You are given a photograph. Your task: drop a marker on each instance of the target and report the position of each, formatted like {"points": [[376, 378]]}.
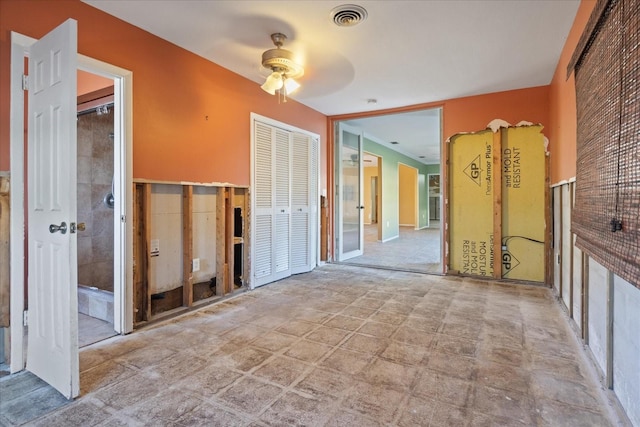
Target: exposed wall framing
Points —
{"points": [[207, 218], [498, 204]]}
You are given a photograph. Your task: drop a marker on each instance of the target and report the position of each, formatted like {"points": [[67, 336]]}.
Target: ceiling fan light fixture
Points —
{"points": [[283, 66], [290, 85], [273, 83]]}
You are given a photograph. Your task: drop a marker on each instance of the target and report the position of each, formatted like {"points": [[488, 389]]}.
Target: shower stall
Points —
{"points": [[95, 210]]}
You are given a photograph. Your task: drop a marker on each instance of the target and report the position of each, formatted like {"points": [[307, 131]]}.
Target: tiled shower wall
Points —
{"points": [[95, 174]]}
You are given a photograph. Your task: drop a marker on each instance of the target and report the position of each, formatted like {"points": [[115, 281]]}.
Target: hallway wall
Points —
{"points": [[390, 185]]}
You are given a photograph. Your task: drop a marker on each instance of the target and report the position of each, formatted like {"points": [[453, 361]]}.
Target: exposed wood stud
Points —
{"points": [[498, 137], [187, 245], [246, 265], [220, 241], [228, 239], [146, 210], [548, 221]]}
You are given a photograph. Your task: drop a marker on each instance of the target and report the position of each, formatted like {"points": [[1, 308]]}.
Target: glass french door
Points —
{"points": [[350, 229]]}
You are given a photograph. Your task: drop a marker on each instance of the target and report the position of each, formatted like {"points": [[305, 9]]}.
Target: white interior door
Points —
{"points": [[349, 198], [53, 301], [282, 213]]}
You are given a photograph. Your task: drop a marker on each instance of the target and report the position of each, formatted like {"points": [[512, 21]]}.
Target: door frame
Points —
{"points": [[123, 231], [338, 240], [253, 118]]}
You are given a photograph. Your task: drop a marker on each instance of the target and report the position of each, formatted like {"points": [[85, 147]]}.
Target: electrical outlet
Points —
{"points": [[196, 264]]}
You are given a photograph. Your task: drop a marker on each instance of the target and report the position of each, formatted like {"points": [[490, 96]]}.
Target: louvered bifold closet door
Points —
{"points": [[300, 196], [282, 191], [263, 205]]}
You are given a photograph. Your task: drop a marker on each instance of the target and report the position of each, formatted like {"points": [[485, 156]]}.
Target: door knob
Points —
{"points": [[80, 227], [62, 228]]}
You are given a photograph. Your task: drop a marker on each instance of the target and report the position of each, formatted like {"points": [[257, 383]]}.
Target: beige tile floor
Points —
{"points": [[348, 346], [423, 246]]}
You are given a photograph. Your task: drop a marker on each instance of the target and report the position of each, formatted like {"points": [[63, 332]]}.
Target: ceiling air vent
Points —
{"points": [[348, 15]]}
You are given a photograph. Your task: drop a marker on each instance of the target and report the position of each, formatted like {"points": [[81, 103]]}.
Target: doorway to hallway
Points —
{"points": [[400, 191]]}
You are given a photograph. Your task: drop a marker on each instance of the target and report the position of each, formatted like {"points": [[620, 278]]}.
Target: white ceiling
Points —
{"points": [[404, 53]]}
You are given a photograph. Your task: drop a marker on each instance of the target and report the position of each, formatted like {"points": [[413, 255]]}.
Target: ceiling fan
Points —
{"points": [[284, 69]]}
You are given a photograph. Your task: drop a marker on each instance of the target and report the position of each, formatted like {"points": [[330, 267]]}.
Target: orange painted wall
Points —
{"points": [[88, 82], [474, 113], [174, 91], [562, 130]]}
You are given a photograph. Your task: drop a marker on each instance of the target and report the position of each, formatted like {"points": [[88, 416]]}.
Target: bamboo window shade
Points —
{"points": [[606, 215]]}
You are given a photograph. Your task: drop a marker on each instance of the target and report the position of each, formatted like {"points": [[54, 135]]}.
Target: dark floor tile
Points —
{"points": [[281, 370], [502, 376], [308, 351], [406, 354], [174, 405], [248, 358], [447, 415], [455, 345], [349, 362], [103, 375], [382, 372], [386, 317], [418, 412], [365, 344], [407, 335], [368, 303], [325, 335], [345, 418], [378, 402], [211, 380], [325, 382], [293, 409], [503, 355], [423, 324], [469, 330], [396, 307], [82, 413], [32, 405], [359, 312], [206, 414], [377, 329], [458, 366], [297, 327], [251, 395], [274, 341], [129, 392], [508, 404], [344, 322], [443, 388]]}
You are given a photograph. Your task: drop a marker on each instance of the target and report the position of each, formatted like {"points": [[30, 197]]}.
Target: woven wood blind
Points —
{"points": [[608, 160]]}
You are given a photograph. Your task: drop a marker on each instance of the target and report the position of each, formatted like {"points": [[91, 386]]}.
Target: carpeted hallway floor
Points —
{"points": [[345, 346]]}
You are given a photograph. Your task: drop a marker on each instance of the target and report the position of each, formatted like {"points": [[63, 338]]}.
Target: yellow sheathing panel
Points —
{"points": [[471, 203], [523, 192]]}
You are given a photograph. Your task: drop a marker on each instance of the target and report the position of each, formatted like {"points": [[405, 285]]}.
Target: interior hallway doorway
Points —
{"points": [[400, 194]]}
